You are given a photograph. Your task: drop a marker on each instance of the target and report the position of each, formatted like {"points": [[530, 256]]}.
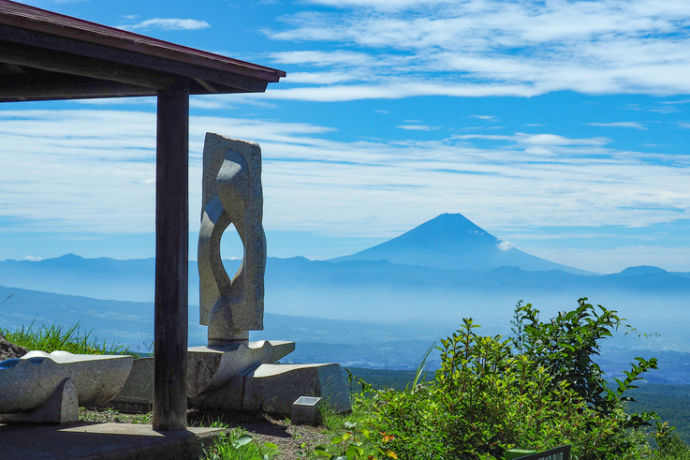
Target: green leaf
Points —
{"points": [[242, 441], [320, 451]]}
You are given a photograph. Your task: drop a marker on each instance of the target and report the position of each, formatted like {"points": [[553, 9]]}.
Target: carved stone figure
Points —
{"points": [[232, 373], [231, 194], [42, 387]]}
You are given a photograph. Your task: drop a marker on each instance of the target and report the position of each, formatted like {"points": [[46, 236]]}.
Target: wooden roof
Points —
{"points": [[45, 55]]}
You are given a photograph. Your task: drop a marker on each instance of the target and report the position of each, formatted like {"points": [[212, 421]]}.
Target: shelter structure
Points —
{"points": [[49, 56]]}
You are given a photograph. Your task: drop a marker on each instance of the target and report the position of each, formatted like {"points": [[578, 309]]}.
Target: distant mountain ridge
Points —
{"points": [[451, 241], [471, 262]]}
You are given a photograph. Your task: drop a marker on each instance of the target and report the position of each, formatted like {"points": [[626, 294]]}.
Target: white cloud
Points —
{"points": [[620, 124], [168, 24], [417, 127], [504, 246], [380, 4], [323, 78], [683, 101], [393, 90], [94, 171], [321, 58], [485, 47]]}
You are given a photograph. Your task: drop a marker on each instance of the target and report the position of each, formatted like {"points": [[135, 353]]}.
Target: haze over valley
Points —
{"points": [[380, 307]]}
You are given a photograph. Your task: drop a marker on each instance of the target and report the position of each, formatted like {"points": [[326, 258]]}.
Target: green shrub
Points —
{"points": [[538, 389]]}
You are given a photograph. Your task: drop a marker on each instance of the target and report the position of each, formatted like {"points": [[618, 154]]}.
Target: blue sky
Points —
{"points": [[558, 126]]}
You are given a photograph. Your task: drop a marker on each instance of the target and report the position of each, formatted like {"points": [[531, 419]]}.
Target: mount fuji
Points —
{"points": [[451, 241]]}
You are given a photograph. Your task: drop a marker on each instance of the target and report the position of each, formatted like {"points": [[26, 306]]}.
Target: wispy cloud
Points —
{"points": [[168, 24], [682, 101], [385, 5], [620, 124], [93, 170], [417, 127], [485, 47]]}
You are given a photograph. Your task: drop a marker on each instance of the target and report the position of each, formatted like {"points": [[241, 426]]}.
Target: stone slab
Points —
{"points": [[102, 441], [273, 388], [138, 389]]}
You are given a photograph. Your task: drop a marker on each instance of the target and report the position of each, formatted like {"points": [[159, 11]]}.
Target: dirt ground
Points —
{"points": [[293, 441], [290, 439], [9, 350]]}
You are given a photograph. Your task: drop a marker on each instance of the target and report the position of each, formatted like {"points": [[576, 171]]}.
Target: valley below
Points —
{"points": [[382, 308]]}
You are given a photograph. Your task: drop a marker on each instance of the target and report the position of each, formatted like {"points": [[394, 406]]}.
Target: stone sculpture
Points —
{"points": [[232, 373], [42, 387], [231, 194]]}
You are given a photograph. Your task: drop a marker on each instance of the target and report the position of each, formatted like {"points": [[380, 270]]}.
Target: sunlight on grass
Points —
{"points": [[236, 444], [53, 337]]}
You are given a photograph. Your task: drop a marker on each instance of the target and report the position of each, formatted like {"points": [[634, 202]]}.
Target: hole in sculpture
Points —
{"points": [[231, 250]]}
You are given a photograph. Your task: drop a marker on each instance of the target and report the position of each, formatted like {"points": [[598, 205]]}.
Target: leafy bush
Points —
{"points": [[539, 389]]}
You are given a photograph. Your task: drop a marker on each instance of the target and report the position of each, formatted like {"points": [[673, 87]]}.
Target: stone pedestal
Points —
{"points": [[243, 376], [273, 388], [211, 368]]}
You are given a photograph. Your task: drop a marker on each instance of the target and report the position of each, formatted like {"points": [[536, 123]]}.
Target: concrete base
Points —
{"points": [[273, 388], [103, 441]]}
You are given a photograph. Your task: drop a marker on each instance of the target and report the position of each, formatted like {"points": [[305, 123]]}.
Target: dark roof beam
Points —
{"points": [[204, 84], [42, 87], [11, 68], [240, 81], [37, 58]]}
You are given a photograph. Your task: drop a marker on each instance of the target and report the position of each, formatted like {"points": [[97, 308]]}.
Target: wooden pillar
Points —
{"points": [[172, 228]]}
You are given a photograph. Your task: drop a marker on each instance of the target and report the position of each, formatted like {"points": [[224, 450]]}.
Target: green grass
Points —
{"points": [[112, 415], [49, 338], [236, 444]]}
